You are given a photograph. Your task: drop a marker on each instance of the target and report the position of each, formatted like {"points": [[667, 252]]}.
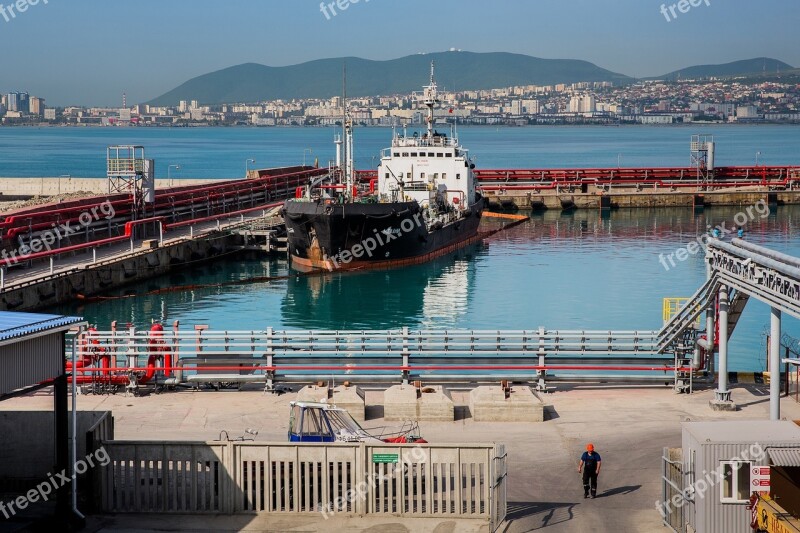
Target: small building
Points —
{"points": [[709, 481], [32, 349]]}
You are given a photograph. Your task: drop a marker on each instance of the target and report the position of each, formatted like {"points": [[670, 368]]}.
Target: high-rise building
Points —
{"points": [[195, 104], [530, 107], [36, 106], [12, 101], [24, 103], [183, 107], [582, 104], [50, 114]]}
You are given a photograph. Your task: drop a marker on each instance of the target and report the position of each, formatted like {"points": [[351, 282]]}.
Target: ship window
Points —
{"points": [[413, 154], [397, 154], [439, 155], [387, 176], [448, 154], [444, 177], [458, 176], [405, 154], [431, 154], [436, 176], [422, 176], [313, 425]]}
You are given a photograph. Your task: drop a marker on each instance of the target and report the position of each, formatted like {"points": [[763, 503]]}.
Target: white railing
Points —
{"points": [[399, 356]]}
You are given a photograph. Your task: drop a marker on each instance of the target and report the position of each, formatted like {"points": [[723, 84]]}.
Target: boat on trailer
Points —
{"points": [[323, 422]]}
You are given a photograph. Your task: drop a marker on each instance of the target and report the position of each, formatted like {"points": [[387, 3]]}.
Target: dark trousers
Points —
{"points": [[589, 482]]}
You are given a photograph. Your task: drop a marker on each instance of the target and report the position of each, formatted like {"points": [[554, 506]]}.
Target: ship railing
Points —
{"points": [[424, 142]]}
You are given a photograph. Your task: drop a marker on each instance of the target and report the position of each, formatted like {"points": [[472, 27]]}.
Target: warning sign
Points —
{"points": [[759, 478]]}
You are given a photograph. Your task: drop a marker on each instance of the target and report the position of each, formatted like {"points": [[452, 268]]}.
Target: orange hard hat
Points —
{"points": [[590, 447]]}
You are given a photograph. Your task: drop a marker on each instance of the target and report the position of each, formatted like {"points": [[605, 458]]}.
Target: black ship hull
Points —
{"points": [[362, 235]]}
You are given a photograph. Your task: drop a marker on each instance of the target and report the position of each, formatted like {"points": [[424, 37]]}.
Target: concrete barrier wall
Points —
{"points": [[11, 188]]}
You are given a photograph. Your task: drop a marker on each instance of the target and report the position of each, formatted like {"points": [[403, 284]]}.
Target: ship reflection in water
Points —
{"points": [[436, 294]]}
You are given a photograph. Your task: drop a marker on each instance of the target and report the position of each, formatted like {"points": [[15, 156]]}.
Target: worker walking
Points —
{"points": [[590, 465]]}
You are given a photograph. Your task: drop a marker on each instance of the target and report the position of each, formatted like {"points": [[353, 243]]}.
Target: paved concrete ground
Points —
{"points": [[629, 427]]}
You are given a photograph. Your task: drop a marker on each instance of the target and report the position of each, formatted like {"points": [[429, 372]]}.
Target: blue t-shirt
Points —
{"points": [[590, 461]]}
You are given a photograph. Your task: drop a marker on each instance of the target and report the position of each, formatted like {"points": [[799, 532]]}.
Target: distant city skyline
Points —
{"points": [[88, 52]]}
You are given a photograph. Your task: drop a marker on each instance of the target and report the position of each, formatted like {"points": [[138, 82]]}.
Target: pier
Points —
{"points": [[58, 252], [82, 247]]}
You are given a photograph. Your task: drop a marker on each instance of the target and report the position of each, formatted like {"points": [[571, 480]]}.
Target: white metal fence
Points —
{"points": [[464, 481], [672, 485]]}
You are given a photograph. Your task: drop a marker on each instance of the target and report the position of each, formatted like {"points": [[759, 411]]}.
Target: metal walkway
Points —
{"points": [[737, 272]]}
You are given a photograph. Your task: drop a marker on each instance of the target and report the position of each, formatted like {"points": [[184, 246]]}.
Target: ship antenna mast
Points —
{"points": [[348, 139], [431, 98]]}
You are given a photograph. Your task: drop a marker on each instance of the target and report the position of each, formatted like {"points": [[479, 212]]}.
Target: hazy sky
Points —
{"points": [[90, 51]]}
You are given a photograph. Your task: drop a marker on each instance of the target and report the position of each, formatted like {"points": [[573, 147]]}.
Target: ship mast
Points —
{"points": [[348, 142], [431, 99]]}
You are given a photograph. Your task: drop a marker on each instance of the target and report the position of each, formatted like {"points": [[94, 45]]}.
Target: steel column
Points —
{"points": [[722, 393], [775, 366]]}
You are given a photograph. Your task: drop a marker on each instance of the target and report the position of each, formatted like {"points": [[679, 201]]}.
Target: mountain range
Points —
{"points": [[455, 71], [760, 65]]}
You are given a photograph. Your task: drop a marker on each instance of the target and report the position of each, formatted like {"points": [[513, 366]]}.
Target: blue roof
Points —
{"points": [[17, 325]]}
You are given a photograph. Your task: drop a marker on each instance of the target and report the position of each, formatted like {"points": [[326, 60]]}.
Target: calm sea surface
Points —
{"points": [[222, 152], [561, 271]]}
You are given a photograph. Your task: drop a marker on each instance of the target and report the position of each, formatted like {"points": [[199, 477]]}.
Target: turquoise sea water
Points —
{"points": [[222, 152], [561, 271]]}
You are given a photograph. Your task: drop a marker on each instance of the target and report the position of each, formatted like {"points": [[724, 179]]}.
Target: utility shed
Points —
{"points": [[718, 461], [32, 349]]}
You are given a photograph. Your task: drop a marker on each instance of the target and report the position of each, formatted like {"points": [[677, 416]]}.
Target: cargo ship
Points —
{"points": [[423, 204]]}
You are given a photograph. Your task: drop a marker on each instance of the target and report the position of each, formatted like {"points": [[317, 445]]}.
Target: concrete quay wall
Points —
{"points": [[113, 273], [634, 199]]}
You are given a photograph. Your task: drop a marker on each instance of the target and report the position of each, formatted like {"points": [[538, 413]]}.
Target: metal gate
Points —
{"points": [[423, 480], [499, 488], [673, 516]]}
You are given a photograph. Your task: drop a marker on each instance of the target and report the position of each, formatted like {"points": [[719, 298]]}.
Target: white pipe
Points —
{"points": [[75, 427], [722, 392], [696, 360], [775, 366]]}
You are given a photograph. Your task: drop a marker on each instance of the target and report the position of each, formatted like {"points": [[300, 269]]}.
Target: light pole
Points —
{"points": [[247, 167], [169, 175], [619, 160], [310, 151], [758, 155]]}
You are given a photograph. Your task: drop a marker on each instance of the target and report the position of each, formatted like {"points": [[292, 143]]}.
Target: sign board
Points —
{"points": [[759, 478], [385, 458]]}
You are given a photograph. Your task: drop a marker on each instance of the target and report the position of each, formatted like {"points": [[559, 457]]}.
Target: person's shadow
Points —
{"points": [[619, 490]]}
